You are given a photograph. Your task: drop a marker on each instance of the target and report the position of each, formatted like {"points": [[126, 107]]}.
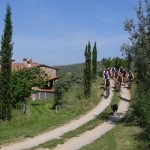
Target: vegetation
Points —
{"points": [[63, 85], [94, 62], [139, 50], [76, 69], [127, 135], [87, 74], [22, 82], [116, 62], [87, 126], [95, 122], [40, 117], [5, 73], [121, 137]]}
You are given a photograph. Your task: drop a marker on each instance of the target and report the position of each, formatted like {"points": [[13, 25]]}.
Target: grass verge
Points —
{"points": [[41, 118], [87, 126], [120, 138], [125, 136]]}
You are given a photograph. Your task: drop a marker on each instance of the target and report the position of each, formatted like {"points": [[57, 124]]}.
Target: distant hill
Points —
{"points": [[75, 68]]}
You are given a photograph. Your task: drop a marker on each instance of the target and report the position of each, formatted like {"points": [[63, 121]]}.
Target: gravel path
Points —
{"points": [[56, 133], [88, 137]]}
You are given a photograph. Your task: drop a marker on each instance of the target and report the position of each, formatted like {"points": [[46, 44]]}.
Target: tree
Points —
{"points": [[139, 50], [64, 84], [94, 62], [87, 71], [5, 73], [89, 74], [118, 62], [22, 82], [107, 62]]}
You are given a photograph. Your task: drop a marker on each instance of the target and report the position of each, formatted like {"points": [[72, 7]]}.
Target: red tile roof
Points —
{"points": [[17, 66]]}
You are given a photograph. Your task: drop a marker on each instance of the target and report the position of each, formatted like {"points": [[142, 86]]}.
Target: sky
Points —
{"points": [[55, 32]]}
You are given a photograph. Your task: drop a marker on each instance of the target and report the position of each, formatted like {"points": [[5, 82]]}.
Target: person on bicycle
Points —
{"points": [[105, 75], [107, 84], [113, 72], [116, 74], [109, 72], [124, 76], [119, 81], [121, 70], [130, 76]]}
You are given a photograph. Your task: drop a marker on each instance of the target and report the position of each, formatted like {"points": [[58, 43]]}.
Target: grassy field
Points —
{"points": [[87, 126], [120, 138], [41, 118], [125, 136]]}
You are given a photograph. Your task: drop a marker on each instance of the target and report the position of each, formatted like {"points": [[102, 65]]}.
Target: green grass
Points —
{"points": [[125, 136], [41, 118], [87, 126], [120, 138], [51, 144], [95, 122]]}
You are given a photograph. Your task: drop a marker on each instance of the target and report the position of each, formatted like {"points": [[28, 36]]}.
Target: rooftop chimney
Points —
{"points": [[25, 61], [13, 61], [29, 62]]}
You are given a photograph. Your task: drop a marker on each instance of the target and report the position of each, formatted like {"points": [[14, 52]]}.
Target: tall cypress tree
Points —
{"points": [[5, 73], [94, 62], [89, 73], [85, 73]]}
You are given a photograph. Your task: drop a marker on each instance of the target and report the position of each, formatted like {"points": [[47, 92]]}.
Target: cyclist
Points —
{"points": [[119, 81], [113, 72], [121, 70], [107, 84], [124, 76], [130, 77], [105, 74], [116, 74]]}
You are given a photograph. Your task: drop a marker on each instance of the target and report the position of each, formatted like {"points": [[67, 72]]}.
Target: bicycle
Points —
{"points": [[118, 86], [107, 92]]}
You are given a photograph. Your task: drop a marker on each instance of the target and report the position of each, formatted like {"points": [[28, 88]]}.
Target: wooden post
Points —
{"points": [[25, 106]]}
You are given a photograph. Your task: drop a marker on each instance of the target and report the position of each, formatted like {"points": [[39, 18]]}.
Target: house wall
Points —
{"points": [[49, 71], [42, 95]]}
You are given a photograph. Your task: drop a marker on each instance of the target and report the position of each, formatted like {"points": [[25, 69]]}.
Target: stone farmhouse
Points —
{"points": [[50, 72]]}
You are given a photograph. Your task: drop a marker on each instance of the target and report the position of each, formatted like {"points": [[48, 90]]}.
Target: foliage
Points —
{"points": [[87, 74], [63, 85], [76, 69], [139, 48], [116, 62], [5, 73], [94, 62], [41, 118], [22, 83]]}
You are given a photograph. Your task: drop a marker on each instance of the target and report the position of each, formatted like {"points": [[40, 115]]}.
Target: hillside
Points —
{"points": [[75, 68]]}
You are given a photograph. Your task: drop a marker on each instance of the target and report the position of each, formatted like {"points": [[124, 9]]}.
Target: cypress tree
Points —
{"points": [[85, 73], [5, 73], [89, 73], [94, 62]]}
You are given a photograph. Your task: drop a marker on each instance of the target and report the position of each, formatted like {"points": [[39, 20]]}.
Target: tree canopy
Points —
{"points": [[5, 72]]}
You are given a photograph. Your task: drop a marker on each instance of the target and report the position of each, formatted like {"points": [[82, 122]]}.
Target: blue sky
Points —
{"points": [[55, 32]]}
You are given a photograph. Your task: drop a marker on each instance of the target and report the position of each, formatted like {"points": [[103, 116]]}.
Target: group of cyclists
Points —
{"points": [[120, 76]]}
